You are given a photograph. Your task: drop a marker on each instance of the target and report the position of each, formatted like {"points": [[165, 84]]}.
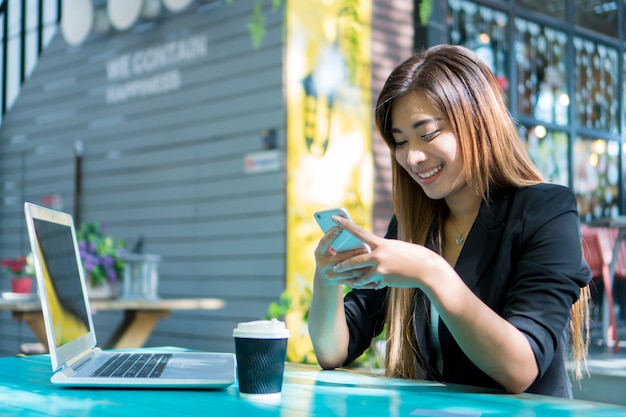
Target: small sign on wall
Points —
{"points": [[53, 201], [262, 161]]}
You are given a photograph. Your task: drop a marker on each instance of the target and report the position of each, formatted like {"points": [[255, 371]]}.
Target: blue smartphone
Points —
{"points": [[345, 241]]}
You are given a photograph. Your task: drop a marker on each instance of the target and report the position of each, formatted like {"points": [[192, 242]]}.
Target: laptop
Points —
{"points": [[76, 360]]}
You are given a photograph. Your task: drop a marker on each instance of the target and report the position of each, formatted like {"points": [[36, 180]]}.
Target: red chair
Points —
{"points": [[608, 236], [596, 258], [619, 283], [620, 266]]}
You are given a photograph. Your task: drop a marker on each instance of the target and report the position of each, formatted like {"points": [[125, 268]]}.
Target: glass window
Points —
{"points": [[552, 8], [540, 58], [548, 150], [596, 176], [15, 17], [14, 61], [597, 15], [32, 18], [596, 100], [483, 30], [13, 71], [50, 16], [1, 62]]}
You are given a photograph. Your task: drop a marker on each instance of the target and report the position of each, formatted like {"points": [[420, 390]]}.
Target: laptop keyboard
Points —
{"points": [[134, 365]]}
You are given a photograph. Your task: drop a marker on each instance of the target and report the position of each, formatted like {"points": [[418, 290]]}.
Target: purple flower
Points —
{"points": [[100, 254], [88, 264], [107, 261], [111, 275]]}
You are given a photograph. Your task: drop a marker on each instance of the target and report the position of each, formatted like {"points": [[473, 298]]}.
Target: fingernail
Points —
{"points": [[337, 231], [335, 218]]}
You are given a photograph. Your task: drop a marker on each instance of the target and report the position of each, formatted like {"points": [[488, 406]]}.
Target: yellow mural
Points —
{"points": [[329, 124]]}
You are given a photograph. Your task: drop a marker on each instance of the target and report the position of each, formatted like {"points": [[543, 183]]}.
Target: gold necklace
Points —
{"points": [[459, 237]]}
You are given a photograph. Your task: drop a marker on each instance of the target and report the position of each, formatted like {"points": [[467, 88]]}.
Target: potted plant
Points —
{"points": [[21, 281], [101, 256]]}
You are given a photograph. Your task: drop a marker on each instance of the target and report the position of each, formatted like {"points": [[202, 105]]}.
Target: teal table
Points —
{"points": [[25, 391]]}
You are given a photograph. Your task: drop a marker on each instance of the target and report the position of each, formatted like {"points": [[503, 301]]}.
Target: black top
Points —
{"points": [[523, 257]]}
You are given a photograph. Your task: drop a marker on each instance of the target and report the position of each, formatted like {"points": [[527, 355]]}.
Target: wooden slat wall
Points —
{"points": [[170, 168]]}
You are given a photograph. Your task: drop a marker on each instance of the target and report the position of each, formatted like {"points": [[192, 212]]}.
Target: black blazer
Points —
{"points": [[523, 257]]}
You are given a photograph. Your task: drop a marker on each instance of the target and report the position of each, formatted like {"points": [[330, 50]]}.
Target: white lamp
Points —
{"points": [[124, 13], [77, 21], [176, 5]]}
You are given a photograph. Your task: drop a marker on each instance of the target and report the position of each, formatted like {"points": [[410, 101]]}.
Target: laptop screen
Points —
{"points": [[62, 279]]}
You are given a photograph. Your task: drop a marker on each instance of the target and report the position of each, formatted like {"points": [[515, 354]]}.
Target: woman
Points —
{"points": [[481, 269]]}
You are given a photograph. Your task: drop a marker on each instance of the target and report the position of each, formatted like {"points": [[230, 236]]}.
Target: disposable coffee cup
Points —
{"points": [[261, 349]]}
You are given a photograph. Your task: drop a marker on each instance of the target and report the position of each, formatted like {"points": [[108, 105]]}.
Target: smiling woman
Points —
{"points": [[417, 123], [481, 270]]}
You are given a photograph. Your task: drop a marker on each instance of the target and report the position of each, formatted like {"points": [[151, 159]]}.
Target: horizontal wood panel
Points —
{"points": [[168, 167]]}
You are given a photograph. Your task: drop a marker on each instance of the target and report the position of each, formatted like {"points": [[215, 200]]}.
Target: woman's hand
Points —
{"points": [[326, 258], [391, 263]]}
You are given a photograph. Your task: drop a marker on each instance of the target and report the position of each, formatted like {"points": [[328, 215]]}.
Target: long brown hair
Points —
{"points": [[461, 86]]}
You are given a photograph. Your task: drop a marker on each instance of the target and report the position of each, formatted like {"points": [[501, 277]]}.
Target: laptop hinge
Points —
{"points": [[79, 360]]}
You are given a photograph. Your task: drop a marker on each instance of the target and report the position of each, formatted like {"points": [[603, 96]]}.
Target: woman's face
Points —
{"points": [[427, 148]]}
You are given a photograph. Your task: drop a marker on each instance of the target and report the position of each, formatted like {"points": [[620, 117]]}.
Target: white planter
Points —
{"points": [[104, 291]]}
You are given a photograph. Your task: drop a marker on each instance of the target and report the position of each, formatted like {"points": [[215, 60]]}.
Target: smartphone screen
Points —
{"points": [[345, 241]]}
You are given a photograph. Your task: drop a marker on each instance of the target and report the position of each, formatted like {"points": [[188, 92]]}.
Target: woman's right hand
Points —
{"points": [[327, 322], [326, 258]]}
